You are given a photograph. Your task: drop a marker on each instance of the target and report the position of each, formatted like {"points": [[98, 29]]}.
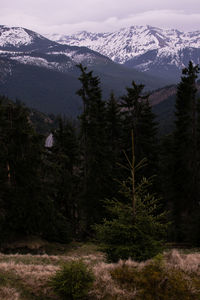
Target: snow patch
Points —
{"points": [[128, 43], [15, 36], [41, 62]]}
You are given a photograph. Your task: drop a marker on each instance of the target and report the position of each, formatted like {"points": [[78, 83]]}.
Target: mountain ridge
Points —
{"points": [[43, 73], [145, 48]]}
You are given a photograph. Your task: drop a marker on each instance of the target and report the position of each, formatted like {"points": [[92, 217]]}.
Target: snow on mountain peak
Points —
{"points": [[134, 41], [14, 36], [145, 48], [24, 46]]}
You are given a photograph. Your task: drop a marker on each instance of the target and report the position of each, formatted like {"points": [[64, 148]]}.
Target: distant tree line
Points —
{"points": [[58, 193]]}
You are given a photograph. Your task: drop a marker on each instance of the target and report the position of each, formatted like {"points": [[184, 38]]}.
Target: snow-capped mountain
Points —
{"points": [[43, 73], [14, 37], [145, 48], [22, 39], [28, 47]]}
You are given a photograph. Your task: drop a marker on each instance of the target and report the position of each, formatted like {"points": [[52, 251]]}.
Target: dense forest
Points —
{"points": [[108, 176]]}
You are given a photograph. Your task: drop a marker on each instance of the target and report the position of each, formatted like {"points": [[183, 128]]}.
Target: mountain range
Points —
{"points": [[43, 73], [156, 51]]}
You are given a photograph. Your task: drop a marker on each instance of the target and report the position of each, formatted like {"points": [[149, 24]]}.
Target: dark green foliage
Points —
{"points": [[94, 145], [166, 170], [59, 192], [56, 227], [185, 132], [121, 237], [113, 128], [137, 116], [132, 107], [64, 173], [41, 122], [147, 140], [21, 184], [73, 281], [185, 175], [26, 203]]}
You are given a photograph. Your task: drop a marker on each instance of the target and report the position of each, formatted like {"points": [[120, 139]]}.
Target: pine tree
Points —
{"points": [[147, 140], [136, 227], [114, 141], [137, 116], [4, 167], [113, 125], [64, 171], [23, 149], [93, 145], [27, 207], [185, 168]]}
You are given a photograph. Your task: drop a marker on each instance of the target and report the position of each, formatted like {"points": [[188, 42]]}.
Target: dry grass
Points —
{"points": [[8, 293], [186, 262], [106, 287], [32, 272], [26, 276], [33, 276]]}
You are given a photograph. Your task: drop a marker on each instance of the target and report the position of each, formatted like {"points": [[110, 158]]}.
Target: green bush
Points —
{"points": [[73, 281], [155, 282]]}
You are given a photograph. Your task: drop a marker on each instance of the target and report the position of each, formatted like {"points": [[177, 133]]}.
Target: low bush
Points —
{"points": [[155, 282], [73, 281]]}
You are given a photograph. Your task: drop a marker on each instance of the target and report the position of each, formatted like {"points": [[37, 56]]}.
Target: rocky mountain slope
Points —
{"points": [[149, 49], [28, 47], [43, 73]]}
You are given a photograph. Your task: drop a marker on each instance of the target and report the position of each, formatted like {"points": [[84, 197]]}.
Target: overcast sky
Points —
{"points": [[69, 16]]}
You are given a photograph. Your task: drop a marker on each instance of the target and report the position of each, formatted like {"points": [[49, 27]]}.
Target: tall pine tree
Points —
{"points": [[27, 206], [185, 180], [94, 147], [113, 129], [64, 171], [137, 116]]}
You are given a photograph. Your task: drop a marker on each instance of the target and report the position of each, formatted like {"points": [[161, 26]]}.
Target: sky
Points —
{"points": [[70, 16]]}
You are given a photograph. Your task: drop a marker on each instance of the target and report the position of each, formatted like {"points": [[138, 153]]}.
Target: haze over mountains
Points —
{"points": [[145, 48]]}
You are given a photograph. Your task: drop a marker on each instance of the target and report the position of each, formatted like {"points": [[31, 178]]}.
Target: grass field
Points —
{"points": [[175, 274]]}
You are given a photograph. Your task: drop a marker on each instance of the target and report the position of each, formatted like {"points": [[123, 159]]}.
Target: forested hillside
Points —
{"points": [[111, 151]]}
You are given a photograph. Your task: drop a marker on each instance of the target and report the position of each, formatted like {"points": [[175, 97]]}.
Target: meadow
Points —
{"points": [[175, 274]]}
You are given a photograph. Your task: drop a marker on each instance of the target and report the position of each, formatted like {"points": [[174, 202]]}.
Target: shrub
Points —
{"points": [[155, 282], [73, 281]]}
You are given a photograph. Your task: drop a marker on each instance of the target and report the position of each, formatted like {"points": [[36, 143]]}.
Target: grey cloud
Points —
{"points": [[159, 18], [47, 16]]}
